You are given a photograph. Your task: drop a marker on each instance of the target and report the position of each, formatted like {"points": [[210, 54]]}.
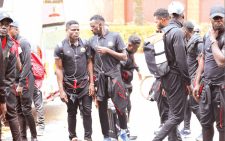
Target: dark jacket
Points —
{"points": [[175, 50], [194, 49], [10, 59], [2, 83], [127, 68], [25, 58], [115, 88]]}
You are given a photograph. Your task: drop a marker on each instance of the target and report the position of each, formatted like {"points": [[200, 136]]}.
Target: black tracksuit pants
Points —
{"points": [[103, 105], [12, 118], [177, 96], [163, 106], [72, 112], [24, 108], [192, 106], [215, 113]]}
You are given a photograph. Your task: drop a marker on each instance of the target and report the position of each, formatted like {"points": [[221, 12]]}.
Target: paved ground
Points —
{"points": [[144, 117]]}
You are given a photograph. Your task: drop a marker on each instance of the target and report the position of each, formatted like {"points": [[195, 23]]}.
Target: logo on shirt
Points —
{"points": [[110, 43], [82, 49], [8, 54]]}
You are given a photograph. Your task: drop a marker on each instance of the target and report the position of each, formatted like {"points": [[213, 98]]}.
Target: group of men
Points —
{"points": [[103, 67], [17, 83], [197, 69]]}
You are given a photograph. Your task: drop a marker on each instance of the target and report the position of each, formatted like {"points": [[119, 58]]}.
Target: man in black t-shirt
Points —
{"points": [[108, 49], [194, 52], [212, 98], [73, 69]]}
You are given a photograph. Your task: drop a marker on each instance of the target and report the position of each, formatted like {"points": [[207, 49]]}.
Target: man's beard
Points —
{"points": [[160, 26], [218, 27], [73, 39]]}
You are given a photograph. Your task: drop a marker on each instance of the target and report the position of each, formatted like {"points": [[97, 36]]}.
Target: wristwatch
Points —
{"points": [[213, 41]]}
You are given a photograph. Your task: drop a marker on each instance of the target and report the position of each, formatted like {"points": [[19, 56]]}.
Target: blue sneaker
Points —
{"points": [[186, 133], [107, 139], [124, 137]]}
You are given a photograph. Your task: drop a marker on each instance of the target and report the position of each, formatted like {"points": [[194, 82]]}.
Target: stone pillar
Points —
{"points": [[193, 11], [119, 15]]}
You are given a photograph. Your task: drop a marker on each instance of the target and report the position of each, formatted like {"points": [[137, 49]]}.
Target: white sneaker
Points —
{"points": [[75, 139], [199, 138], [40, 132]]}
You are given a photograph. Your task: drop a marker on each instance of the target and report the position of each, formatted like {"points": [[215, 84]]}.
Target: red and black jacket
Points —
{"points": [[9, 59], [25, 58]]}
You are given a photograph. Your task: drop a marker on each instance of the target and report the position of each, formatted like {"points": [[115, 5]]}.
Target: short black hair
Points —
{"points": [[162, 13], [69, 23], [134, 39], [97, 18], [189, 26]]}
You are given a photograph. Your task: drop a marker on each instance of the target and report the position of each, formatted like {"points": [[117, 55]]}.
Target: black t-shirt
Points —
{"points": [[192, 57], [211, 70], [110, 40], [74, 59]]}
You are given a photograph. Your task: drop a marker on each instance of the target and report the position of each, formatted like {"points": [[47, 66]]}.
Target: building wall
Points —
{"points": [[82, 10], [205, 6]]}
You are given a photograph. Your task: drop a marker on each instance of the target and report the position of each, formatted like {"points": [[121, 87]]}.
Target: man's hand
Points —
{"points": [[140, 76], [212, 33], [19, 91], [96, 101], [196, 92], [63, 96], [102, 50], [164, 93], [91, 90], [190, 89], [3, 110]]}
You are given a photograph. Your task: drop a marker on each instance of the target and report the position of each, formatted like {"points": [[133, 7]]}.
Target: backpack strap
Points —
{"points": [[84, 41]]}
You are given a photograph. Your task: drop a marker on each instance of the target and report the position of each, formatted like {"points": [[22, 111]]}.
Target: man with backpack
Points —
{"points": [[175, 81], [24, 85], [128, 67], [74, 70], [212, 97], [108, 49], [194, 52], [7, 92]]}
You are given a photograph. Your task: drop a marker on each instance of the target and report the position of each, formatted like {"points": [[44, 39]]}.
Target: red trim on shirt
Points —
{"points": [[133, 59], [3, 43]]}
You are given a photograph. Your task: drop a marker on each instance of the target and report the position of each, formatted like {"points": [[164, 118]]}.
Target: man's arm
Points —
{"points": [[91, 75], [219, 55], [121, 55], [59, 75]]}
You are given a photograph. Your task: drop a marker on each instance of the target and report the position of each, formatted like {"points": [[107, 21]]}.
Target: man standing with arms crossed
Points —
{"points": [[212, 98], [108, 49], [176, 82], [73, 67]]}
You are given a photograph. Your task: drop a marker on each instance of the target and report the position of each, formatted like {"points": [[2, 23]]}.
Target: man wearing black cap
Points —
{"points": [[212, 98], [176, 82], [194, 52], [108, 50], [10, 59], [25, 85]]}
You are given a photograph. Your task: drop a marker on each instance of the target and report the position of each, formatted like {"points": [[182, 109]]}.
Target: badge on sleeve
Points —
{"points": [[110, 43], [82, 49]]}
